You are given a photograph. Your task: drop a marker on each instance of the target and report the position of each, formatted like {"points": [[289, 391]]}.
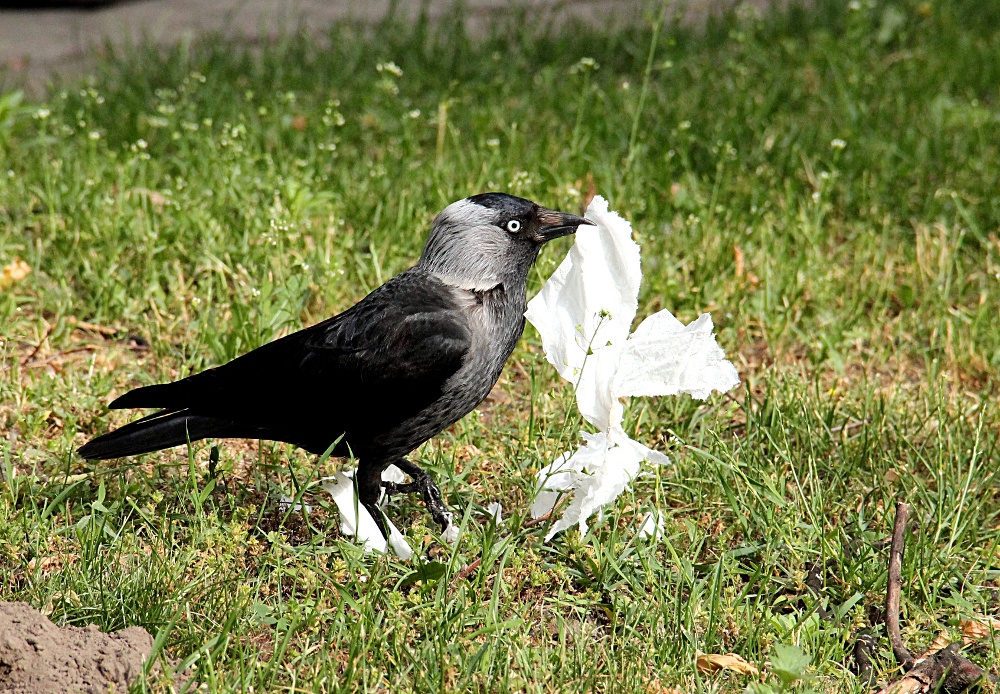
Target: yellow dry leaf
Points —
{"points": [[16, 271], [712, 662], [973, 630], [939, 643]]}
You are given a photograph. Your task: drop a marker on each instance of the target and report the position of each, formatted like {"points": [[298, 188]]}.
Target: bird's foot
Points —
{"points": [[395, 488], [423, 483]]}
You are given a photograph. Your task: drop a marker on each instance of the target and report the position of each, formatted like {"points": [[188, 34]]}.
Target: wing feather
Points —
{"points": [[361, 372]]}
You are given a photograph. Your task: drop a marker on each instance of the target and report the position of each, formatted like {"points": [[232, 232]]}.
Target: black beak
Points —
{"points": [[554, 225]]}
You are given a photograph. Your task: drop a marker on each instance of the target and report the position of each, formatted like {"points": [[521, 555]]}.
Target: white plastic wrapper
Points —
{"points": [[286, 502], [495, 509], [652, 525], [583, 314], [355, 519]]}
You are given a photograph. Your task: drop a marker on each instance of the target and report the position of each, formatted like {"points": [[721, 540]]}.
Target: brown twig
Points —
{"points": [[895, 584], [93, 327], [946, 671], [58, 356], [41, 342], [466, 570], [532, 522]]}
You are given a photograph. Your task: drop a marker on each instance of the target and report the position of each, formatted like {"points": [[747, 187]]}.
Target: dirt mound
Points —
{"points": [[37, 657]]}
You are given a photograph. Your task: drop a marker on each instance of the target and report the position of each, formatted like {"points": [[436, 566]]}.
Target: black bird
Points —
{"points": [[400, 366]]}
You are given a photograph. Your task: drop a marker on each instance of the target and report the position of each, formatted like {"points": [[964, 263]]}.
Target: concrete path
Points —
{"points": [[36, 44]]}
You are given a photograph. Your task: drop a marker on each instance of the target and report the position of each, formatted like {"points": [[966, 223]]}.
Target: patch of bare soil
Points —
{"points": [[37, 657]]}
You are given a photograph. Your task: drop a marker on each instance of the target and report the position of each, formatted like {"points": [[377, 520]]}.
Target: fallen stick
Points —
{"points": [[466, 570], [532, 522], [895, 586], [946, 671], [31, 355]]}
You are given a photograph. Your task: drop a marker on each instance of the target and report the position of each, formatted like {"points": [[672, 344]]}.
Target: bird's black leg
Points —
{"points": [[369, 490], [422, 482]]}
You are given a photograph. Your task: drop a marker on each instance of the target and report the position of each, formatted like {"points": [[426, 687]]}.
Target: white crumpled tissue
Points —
{"points": [[355, 519], [357, 522], [583, 314]]}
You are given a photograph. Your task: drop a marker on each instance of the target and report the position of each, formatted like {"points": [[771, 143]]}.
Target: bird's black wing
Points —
{"points": [[359, 373]]}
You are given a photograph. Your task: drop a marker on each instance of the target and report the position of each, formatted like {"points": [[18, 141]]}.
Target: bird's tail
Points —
{"points": [[164, 429]]}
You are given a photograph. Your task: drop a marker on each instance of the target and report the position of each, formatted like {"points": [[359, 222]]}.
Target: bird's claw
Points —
{"points": [[395, 488], [422, 482]]}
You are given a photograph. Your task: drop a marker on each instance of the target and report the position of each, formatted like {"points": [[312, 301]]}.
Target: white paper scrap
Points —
{"points": [[286, 502], [451, 533], [495, 509], [355, 519], [584, 314], [652, 526]]}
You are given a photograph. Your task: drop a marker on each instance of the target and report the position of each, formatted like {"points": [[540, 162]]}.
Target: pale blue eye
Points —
{"points": [[513, 226]]}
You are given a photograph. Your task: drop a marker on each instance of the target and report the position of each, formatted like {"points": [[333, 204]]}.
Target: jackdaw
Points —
{"points": [[400, 366]]}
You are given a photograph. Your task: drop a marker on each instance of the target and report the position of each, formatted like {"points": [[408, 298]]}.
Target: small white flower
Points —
{"points": [[391, 68], [837, 143], [584, 65], [493, 142], [94, 135], [141, 144], [42, 113], [415, 113]]}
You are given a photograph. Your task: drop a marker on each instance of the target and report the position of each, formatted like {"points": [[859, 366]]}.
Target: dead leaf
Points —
{"points": [[738, 255], [299, 122], [973, 630], [940, 643], [891, 476], [16, 271], [713, 662]]}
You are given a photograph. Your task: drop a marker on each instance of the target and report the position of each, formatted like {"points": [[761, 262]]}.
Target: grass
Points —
{"points": [[823, 180]]}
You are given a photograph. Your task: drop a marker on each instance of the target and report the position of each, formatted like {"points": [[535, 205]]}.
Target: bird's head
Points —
{"points": [[479, 242]]}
